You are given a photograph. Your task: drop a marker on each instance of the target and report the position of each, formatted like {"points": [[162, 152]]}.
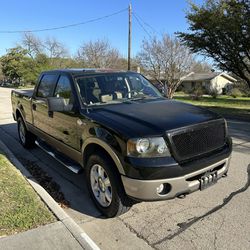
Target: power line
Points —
{"points": [[139, 22], [65, 26], [151, 27]]}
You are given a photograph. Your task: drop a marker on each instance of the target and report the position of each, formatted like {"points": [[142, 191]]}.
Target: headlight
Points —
{"points": [[142, 145], [147, 147]]}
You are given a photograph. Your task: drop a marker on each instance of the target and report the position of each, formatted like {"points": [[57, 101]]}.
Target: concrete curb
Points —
{"points": [[83, 239]]}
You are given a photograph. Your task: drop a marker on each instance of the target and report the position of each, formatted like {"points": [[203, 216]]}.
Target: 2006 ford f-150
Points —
{"points": [[133, 144]]}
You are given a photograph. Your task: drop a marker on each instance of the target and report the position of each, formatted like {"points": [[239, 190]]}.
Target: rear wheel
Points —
{"points": [[104, 184], [26, 138]]}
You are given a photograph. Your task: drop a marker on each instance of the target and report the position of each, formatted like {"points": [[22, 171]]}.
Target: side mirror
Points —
{"points": [[56, 104]]}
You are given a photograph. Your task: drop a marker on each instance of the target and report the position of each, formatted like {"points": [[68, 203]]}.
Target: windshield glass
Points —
{"points": [[115, 88]]}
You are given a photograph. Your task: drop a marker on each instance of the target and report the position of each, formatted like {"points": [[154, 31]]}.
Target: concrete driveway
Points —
{"points": [[216, 218]]}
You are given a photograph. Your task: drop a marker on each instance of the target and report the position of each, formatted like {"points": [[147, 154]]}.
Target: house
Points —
{"points": [[214, 81]]}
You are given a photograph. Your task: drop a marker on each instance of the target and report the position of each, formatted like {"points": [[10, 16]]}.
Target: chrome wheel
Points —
{"points": [[22, 132], [101, 186]]}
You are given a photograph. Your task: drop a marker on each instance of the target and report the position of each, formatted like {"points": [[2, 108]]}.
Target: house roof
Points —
{"points": [[206, 76]]}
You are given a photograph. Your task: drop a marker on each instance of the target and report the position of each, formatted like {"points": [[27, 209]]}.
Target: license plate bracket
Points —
{"points": [[208, 179]]}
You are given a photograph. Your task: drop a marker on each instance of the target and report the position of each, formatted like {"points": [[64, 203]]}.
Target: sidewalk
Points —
{"points": [[63, 234], [53, 236]]}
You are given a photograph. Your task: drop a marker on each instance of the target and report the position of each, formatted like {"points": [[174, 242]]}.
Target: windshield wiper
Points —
{"points": [[143, 97], [104, 103]]}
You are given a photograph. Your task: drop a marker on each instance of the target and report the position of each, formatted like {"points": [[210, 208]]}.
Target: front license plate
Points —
{"points": [[208, 179]]}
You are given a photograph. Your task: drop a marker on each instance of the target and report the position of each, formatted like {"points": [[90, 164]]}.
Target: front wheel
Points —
{"points": [[104, 184], [26, 138]]}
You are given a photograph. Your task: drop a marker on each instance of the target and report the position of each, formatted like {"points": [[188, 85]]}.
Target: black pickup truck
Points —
{"points": [[133, 144]]}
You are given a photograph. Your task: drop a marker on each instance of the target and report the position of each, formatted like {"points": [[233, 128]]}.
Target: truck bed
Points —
{"points": [[23, 92], [21, 99]]}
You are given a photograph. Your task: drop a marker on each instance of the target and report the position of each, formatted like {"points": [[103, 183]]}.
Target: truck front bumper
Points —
{"points": [[146, 190]]}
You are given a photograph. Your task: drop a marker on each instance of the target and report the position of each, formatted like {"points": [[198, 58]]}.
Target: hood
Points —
{"points": [[149, 117]]}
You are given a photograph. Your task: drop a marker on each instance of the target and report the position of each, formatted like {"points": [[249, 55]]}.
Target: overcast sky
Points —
{"points": [[156, 17]]}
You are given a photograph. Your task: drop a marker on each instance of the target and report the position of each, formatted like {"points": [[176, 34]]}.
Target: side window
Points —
{"points": [[46, 86], [63, 89]]}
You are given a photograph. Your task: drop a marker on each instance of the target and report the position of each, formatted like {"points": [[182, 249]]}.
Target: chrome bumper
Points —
{"points": [[146, 189]]}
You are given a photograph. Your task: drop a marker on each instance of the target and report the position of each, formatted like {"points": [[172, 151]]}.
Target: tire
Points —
{"points": [[26, 138], [107, 183]]}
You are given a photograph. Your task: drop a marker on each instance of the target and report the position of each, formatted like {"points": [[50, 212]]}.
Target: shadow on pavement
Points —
{"points": [[239, 130], [72, 186]]}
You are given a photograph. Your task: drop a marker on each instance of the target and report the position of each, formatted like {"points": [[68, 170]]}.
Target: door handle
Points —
{"points": [[50, 114], [33, 106]]}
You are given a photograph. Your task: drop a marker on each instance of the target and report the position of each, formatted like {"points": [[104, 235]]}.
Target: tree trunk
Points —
{"points": [[170, 93]]}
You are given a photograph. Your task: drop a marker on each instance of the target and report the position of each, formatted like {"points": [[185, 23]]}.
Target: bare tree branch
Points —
{"points": [[54, 48], [166, 60], [32, 44], [98, 54]]}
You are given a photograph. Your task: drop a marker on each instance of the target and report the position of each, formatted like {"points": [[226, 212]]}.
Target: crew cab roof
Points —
{"points": [[82, 71]]}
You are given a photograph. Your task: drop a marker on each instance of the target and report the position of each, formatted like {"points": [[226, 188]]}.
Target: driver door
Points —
{"points": [[64, 122]]}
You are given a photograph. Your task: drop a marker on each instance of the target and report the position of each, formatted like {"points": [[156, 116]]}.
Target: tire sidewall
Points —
{"points": [[29, 138], [108, 166], [19, 123]]}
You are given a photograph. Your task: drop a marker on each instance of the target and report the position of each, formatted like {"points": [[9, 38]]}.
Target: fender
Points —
{"points": [[107, 148], [20, 109]]}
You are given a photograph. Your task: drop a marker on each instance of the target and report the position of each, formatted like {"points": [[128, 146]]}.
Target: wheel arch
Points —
{"points": [[20, 114], [92, 145]]}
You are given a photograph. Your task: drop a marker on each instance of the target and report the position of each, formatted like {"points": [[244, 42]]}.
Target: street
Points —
{"points": [[216, 218]]}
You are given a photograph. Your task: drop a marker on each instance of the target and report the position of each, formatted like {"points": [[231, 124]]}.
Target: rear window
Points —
{"points": [[47, 85]]}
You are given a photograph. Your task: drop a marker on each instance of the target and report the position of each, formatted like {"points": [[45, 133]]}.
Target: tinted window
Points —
{"points": [[46, 86], [63, 88]]}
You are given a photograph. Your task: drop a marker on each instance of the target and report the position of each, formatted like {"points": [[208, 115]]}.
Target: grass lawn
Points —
{"points": [[20, 207], [224, 105]]}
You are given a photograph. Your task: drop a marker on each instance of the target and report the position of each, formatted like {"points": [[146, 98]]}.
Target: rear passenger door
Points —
{"points": [[45, 89]]}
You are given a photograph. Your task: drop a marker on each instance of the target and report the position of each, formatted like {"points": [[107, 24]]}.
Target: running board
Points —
{"points": [[68, 163]]}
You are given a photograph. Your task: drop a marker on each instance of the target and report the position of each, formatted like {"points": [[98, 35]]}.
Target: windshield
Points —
{"points": [[115, 88]]}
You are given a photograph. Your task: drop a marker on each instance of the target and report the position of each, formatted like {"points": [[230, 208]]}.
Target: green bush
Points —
{"points": [[214, 93], [246, 93], [235, 92], [196, 93]]}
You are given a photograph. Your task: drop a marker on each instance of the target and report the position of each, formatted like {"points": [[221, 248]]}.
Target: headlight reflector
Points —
{"points": [[147, 147], [142, 145]]}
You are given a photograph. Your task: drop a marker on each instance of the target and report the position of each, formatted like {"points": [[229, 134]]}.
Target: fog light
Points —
{"points": [[163, 189], [160, 189]]}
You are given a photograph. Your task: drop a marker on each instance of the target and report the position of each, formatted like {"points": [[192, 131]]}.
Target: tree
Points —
{"points": [[1, 73], [32, 44], [221, 29], [17, 66], [98, 54], [165, 60], [51, 47], [54, 48], [201, 67], [13, 63]]}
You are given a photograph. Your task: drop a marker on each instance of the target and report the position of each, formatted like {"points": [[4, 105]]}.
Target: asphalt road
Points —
{"points": [[216, 218]]}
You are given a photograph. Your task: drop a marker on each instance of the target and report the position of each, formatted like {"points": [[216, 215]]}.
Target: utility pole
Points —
{"points": [[129, 34]]}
